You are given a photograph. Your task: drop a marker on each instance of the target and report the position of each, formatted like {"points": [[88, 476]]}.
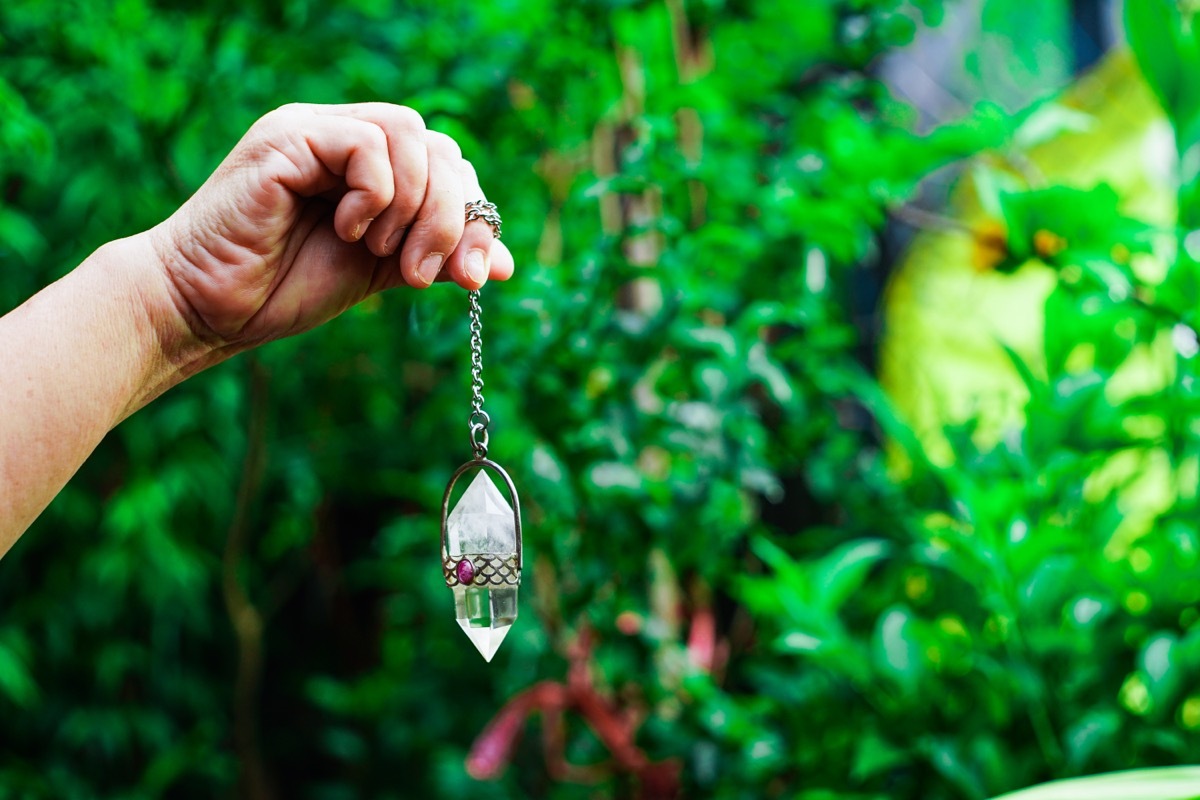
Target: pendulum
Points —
{"points": [[481, 537]]}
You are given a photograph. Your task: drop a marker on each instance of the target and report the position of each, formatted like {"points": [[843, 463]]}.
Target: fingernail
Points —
{"points": [[429, 267], [394, 241], [477, 266], [357, 233]]}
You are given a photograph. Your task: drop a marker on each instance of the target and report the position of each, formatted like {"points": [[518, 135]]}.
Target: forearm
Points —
{"points": [[75, 359], [315, 209]]}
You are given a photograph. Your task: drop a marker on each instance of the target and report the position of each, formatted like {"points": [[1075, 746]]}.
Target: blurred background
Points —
{"points": [[847, 379]]}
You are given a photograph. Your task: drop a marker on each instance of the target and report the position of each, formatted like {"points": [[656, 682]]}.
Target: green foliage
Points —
{"points": [[1165, 39], [246, 572]]}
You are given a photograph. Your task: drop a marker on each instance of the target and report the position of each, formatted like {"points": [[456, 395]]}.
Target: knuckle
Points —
{"points": [[408, 120], [445, 228], [285, 110], [281, 118], [447, 231], [376, 138], [383, 193], [443, 145]]}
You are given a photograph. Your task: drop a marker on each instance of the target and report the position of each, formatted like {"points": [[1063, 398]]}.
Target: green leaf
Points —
{"points": [[16, 683], [875, 755], [838, 575], [1164, 40], [897, 652], [21, 236]]}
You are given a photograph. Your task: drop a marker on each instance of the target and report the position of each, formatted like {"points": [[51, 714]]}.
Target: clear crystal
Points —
{"points": [[482, 525], [485, 613], [481, 522]]}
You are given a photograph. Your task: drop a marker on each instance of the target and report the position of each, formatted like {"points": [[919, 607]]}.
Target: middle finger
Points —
{"points": [[439, 224]]}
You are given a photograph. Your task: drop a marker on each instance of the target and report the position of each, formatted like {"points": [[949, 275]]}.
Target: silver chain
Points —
{"points": [[479, 420]]}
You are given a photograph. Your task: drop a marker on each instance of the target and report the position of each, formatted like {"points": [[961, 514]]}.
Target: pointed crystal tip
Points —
{"points": [[486, 640], [482, 521], [485, 613]]}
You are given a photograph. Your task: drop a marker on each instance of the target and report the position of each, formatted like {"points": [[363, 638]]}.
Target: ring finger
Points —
{"points": [[470, 264]]}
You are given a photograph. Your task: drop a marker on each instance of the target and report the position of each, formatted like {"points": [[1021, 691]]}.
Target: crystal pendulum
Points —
{"points": [[481, 537]]}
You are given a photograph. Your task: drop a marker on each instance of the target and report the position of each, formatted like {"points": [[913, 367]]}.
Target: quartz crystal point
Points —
{"points": [[481, 542]]}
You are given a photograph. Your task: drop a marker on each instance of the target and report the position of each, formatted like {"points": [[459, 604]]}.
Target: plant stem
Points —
{"points": [[244, 617]]}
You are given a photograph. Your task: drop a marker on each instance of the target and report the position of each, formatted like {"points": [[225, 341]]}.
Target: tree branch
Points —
{"points": [[245, 619]]}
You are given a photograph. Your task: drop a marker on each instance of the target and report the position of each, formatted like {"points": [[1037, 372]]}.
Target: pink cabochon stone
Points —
{"points": [[466, 572]]}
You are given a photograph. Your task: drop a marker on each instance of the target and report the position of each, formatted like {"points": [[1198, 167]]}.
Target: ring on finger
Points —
{"points": [[482, 209]]}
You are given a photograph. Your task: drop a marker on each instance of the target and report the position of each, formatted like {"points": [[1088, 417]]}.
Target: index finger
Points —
{"points": [[405, 132]]}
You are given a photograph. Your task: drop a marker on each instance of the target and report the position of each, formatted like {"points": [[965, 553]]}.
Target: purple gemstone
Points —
{"points": [[466, 572]]}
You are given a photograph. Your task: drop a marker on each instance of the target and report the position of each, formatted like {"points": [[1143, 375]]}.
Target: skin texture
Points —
{"points": [[315, 209]]}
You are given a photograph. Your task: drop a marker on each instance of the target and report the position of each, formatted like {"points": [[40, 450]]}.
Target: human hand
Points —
{"points": [[316, 208]]}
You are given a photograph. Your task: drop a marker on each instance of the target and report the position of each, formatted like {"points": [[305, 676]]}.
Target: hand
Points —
{"points": [[316, 208]]}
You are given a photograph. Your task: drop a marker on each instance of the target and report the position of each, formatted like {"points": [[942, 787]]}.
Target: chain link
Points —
{"points": [[479, 420], [482, 209]]}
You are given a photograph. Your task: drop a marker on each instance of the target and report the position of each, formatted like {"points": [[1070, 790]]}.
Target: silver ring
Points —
{"points": [[482, 209]]}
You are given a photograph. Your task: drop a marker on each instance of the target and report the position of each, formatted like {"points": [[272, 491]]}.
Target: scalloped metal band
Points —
{"points": [[489, 570]]}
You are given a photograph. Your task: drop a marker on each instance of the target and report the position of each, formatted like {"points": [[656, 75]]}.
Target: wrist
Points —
{"points": [[168, 349]]}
